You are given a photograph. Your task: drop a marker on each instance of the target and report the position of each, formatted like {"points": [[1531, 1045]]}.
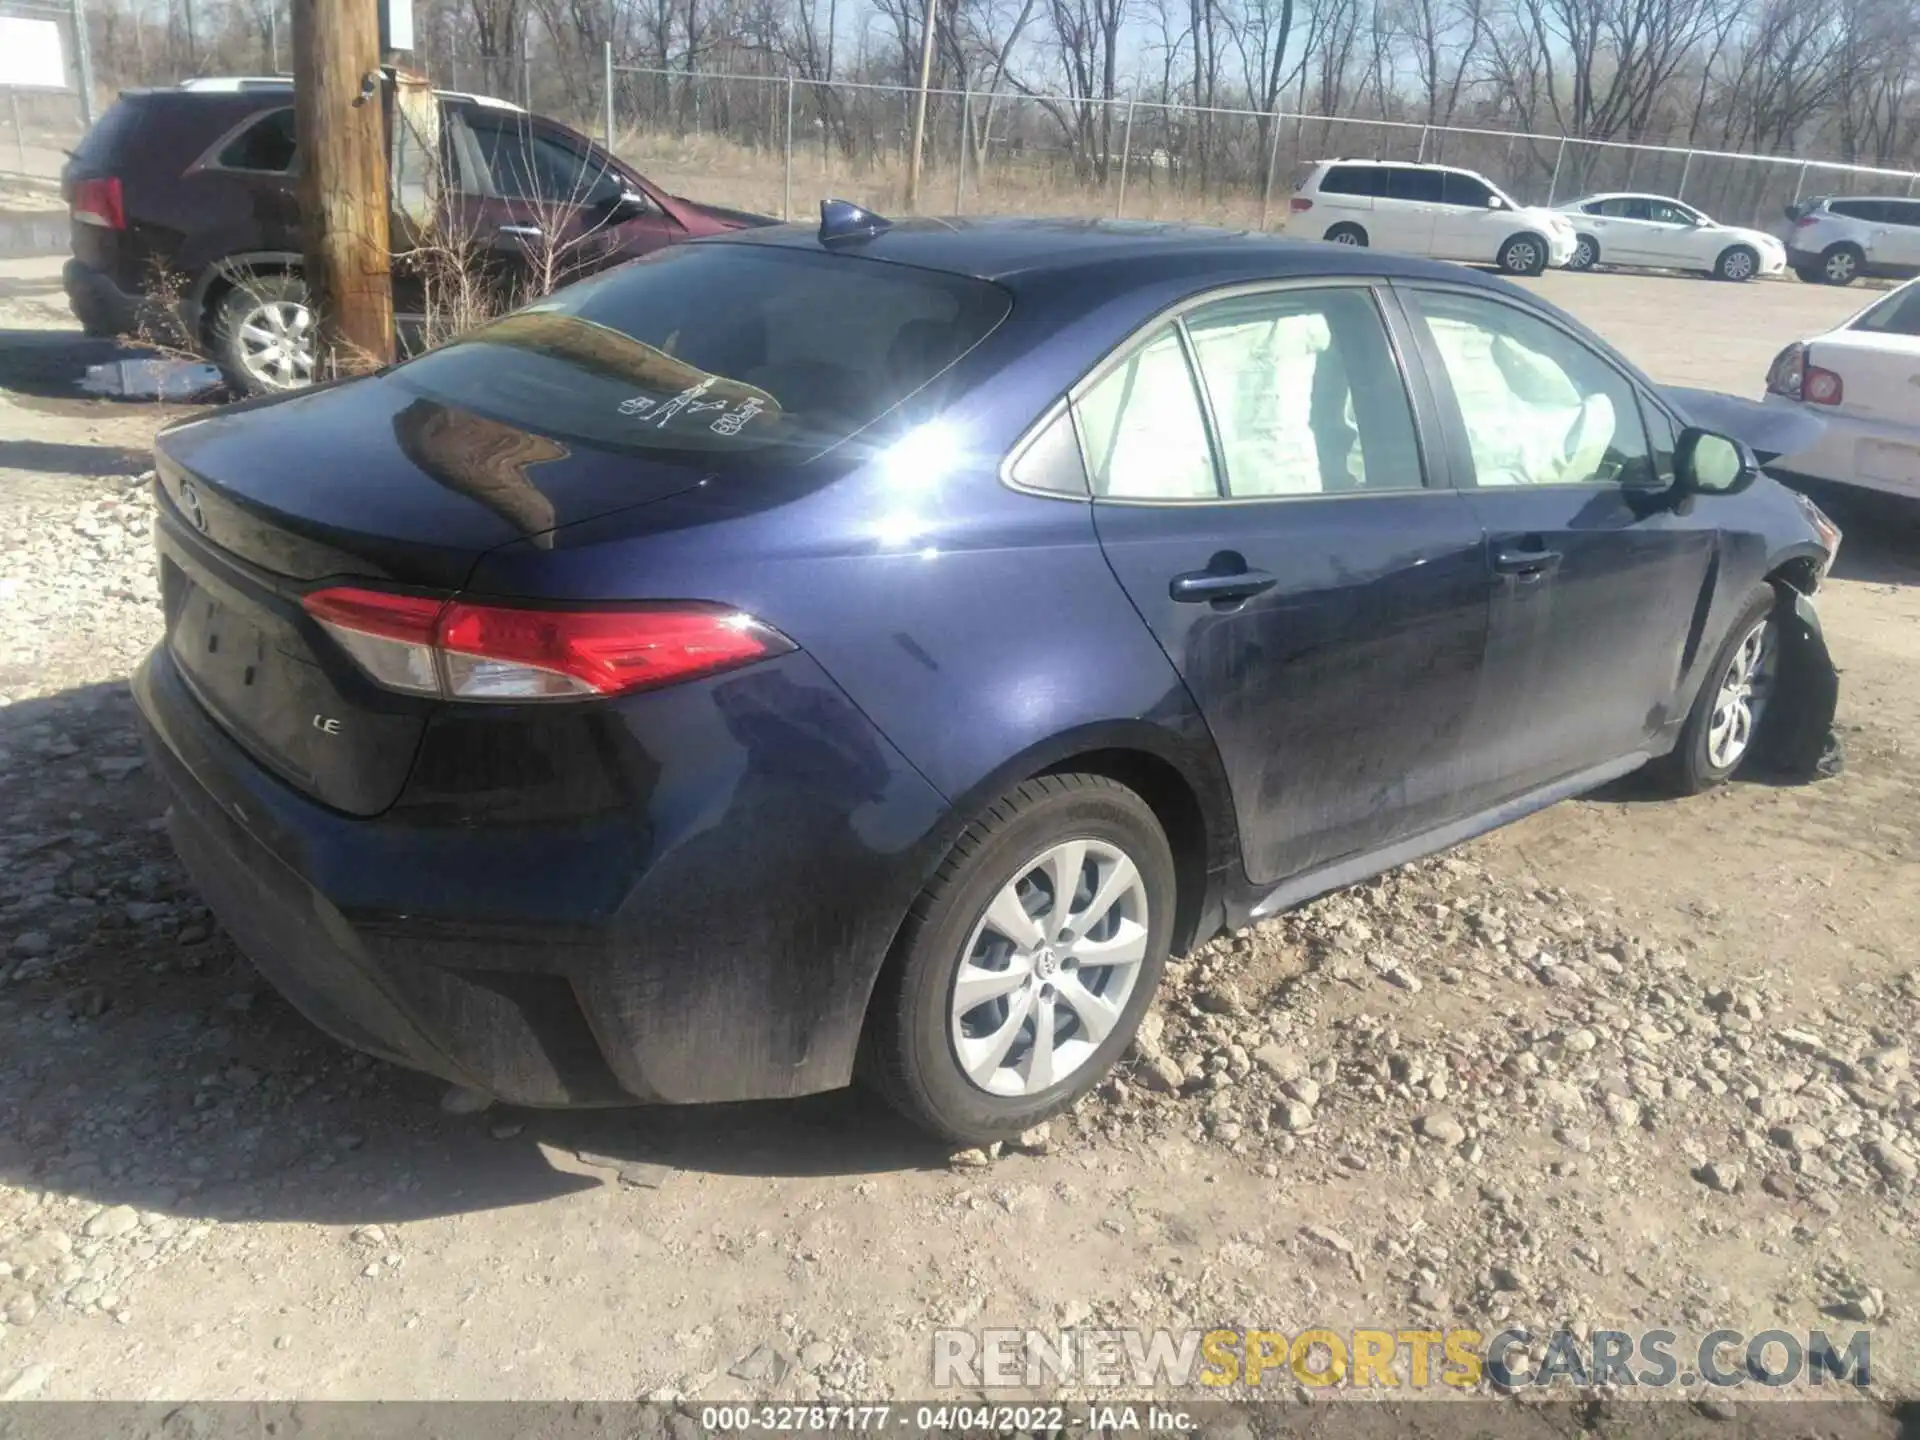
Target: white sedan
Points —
{"points": [[1863, 381], [1652, 230]]}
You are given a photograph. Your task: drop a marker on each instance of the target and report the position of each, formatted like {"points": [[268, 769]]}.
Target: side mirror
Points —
{"points": [[1708, 464], [627, 205], [1494, 202]]}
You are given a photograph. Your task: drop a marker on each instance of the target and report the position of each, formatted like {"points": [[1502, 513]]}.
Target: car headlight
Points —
{"points": [[1823, 527]]}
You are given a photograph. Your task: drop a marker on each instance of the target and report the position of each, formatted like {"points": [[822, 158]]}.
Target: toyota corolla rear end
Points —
{"points": [[562, 852]]}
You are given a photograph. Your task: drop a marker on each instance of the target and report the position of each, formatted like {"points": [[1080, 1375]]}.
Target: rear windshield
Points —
{"points": [[1898, 314], [725, 349]]}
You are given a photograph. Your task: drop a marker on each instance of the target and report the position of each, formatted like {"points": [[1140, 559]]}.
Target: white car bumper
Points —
{"points": [[1773, 262], [1878, 455], [1560, 246]]}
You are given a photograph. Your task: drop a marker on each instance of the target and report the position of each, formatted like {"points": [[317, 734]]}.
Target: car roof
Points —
{"points": [[255, 85], [1023, 252], [1402, 164]]}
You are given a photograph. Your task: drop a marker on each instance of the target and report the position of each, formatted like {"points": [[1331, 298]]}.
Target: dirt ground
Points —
{"points": [[1631, 1062]]}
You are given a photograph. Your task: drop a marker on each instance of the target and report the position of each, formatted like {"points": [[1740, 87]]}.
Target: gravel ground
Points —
{"points": [[1631, 1063]]}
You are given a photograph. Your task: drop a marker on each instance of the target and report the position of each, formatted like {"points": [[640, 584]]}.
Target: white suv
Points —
{"points": [[1428, 210], [1836, 240]]}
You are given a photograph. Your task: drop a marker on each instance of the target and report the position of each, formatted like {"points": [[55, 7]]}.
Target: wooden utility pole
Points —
{"points": [[920, 108], [339, 114]]}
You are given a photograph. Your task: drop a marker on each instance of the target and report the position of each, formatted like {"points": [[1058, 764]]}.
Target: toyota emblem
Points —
{"points": [[190, 503]]}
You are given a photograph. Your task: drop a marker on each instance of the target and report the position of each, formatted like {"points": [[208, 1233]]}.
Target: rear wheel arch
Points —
{"points": [[1187, 796], [227, 274]]}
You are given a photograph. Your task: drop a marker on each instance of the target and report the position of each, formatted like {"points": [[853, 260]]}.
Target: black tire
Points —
{"points": [[1689, 769], [1840, 264], [1346, 234], [230, 314], [912, 1061], [1586, 253], [1737, 263], [1523, 254], [1810, 274]]}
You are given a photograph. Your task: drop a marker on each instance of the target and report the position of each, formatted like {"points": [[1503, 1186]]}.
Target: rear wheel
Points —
{"points": [[1586, 254], [1348, 235], [1523, 255], [1027, 962], [1732, 704], [1737, 263], [1810, 274], [1840, 264], [263, 335]]}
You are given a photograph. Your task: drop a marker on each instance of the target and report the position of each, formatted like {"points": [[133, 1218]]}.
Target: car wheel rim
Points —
{"points": [[1346, 237], [1741, 703], [276, 344], [1583, 256], [1840, 267], [1739, 267], [1048, 970], [1520, 257]]}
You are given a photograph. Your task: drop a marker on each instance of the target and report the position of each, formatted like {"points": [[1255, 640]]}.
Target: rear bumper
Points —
{"points": [[715, 941], [1871, 455], [99, 303]]}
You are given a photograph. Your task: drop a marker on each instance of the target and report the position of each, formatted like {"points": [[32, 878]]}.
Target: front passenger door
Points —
{"points": [[1259, 490], [1600, 583]]}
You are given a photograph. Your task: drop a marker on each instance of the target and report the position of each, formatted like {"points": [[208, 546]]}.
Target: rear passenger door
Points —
{"points": [[1599, 582], [1259, 490]]}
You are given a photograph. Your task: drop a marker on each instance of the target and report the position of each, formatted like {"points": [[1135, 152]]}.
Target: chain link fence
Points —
{"points": [[42, 120], [777, 144]]}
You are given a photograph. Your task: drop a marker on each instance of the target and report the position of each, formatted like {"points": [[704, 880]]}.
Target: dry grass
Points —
{"points": [[719, 171]]}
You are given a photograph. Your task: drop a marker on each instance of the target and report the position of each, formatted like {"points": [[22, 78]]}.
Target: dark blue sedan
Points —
{"points": [[877, 648]]}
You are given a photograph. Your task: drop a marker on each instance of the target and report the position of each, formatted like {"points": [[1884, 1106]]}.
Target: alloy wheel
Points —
{"points": [[1048, 970], [276, 344], [1741, 702], [1738, 266], [1522, 257], [1840, 266], [1583, 255]]}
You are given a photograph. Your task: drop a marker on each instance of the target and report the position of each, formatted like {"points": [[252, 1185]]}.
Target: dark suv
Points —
{"points": [[185, 220]]}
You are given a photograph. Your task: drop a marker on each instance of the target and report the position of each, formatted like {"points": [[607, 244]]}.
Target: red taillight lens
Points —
{"points": [[98, 202], [1821, 387], [468, 651], [1299, 203], [1805, 220]]}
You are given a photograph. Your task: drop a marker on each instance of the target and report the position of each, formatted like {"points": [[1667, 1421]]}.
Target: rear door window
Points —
{"points": [[721, 349], [266, 144], [1143, 428], [1857, 209], [1904, 212]]}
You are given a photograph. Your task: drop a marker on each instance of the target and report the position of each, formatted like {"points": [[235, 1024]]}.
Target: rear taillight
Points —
{"points": [[1821, 387], [1804, 220], [1299, 203], [1783, 376], [99, 202], [462, 650], [1794, 375]]}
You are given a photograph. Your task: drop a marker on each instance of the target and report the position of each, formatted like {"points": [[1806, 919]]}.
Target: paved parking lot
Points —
{"points": [[1632, 1062], [1684, 330]]}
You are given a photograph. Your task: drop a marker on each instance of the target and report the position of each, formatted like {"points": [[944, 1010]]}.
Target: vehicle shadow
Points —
{"points": [[50, 458], [145, 1062]]}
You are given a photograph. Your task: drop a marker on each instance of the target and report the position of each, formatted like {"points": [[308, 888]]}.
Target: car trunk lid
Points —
{"points": [[1879, 373], [368, 483]]}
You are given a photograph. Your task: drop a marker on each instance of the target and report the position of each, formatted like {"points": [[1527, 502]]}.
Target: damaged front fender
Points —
{"points": [[1798, 741]]}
